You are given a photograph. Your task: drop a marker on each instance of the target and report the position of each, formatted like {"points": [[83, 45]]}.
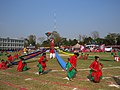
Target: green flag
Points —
{"points": [[48, 34]]}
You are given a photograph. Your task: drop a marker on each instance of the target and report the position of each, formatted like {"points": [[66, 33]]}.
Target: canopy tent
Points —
{"points": [[77, 46]]}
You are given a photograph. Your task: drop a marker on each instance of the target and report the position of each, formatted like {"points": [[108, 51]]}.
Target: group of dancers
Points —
{"points": [[71, 66]]}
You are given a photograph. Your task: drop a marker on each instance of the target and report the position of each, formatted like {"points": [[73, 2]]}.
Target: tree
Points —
{"points": [[95, 34], [41, 39], [56, 37], [118, 39], [26, 42], [100, 41], [46, 43], [113, 39], [83, 38], [80, 37], [32, 40], [37, 45], [88, 40], [64, 42]]}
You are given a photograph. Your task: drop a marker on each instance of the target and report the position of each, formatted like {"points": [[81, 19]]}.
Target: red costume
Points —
{"points": [[42, 61], [52, 51], [81, 56], [3, 65], [20, 66], [85, 57], [96, 70], [16, 56], [73, 61], [10, 58]]}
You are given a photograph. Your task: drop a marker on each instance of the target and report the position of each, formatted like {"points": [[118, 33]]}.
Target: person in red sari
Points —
{"points": [[3, 65], [15, 56], [96, 70], [81, 56], [22, 66], [10, 58], [73, 62], [42, 63]]}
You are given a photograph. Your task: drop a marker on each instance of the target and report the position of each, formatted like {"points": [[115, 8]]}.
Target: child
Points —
{"points": [[42, 63], [96, 70], [81, 56], [22, 66], [71, 66], [116, 57], [3, 65]]}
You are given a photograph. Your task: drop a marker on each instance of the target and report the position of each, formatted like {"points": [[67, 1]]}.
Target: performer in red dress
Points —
{"points": [[22, 66], [10, 58], [42, 63], [71, 69], [81, 56], [96, 70], [3, 65], [52, 53]]}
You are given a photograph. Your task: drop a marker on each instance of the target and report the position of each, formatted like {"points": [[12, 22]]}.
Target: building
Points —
{"points": [[11, 44]]}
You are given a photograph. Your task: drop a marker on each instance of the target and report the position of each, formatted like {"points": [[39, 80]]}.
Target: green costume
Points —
{"points": [[119, 53], [25, 68], [40, 68], [70, 73], [112, 54], [92, 78]]}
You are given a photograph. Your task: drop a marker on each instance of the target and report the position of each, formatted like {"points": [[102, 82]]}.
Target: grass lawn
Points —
{"points": [[11, 79]]}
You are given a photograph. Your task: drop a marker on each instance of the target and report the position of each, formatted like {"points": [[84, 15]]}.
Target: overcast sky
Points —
{"points": [[20, 18]]}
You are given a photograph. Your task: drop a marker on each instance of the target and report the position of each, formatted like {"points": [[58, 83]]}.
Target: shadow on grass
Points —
{"points": [[47, 71], [117, 80], [101, 59], [32, 61]]}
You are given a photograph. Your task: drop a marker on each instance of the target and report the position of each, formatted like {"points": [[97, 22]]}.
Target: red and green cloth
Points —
{"points": [[22, 66], [40, 69], [70, 71], [96, 72]]}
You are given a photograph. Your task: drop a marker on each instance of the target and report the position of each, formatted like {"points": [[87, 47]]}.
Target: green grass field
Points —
{"points": [[53, 79]]}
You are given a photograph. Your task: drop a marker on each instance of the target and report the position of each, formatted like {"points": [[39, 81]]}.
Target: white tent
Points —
{"points": [[77, 46]]}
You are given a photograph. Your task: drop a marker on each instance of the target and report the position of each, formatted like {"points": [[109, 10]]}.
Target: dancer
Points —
{"points": [[22, 66], [96, 70], [10, 60], [86, 56], [52, 53], [3, 65], [116, 57], [71, 66], [42, 63], [81, 56]]}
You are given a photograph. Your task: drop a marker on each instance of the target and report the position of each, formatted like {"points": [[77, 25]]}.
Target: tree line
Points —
{"points": [[109, 39]]}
